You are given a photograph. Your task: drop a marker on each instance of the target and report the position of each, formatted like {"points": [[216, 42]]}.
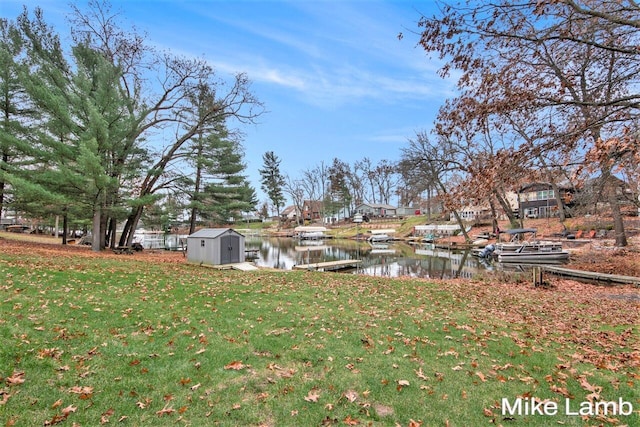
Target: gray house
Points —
{"points": [[215, 246], [376, 209]]}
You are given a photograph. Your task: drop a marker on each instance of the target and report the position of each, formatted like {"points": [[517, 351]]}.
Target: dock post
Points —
{"points": [[537, 276]]}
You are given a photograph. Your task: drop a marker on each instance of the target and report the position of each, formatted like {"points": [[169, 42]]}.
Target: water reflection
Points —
{"points": [[390, 260]]}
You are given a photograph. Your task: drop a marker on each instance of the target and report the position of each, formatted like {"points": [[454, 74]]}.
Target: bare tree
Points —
{"points": [[296, 190], [575, 62], [438, 163]]}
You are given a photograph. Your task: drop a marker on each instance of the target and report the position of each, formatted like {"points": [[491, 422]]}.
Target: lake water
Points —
{"points": [[390, 260]]}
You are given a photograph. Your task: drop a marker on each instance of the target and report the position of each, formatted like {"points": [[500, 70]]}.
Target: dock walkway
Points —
{"points": [[329, 265], [591, 275]]}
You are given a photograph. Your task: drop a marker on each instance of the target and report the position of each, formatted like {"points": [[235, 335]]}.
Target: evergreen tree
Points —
{"points": [[14, 105], [272, 180], [218, 190], [83, 141], [226, 193]]}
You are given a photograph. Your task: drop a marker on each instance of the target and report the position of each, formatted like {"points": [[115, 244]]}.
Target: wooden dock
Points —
{"points": [[329, 265], [603, 278]]}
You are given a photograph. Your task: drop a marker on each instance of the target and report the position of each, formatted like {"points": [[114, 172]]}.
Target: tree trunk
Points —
{"points": [[455, 214], [103, 228], [5, 160], [520, 213], [618, 223], [559, 202], [429, 203], [196, 190], [112, 232], [192, 220], [65, 228], [506, 207], [96, 233], [494, 216], [609, 188], [133, 219], [125, 230]]}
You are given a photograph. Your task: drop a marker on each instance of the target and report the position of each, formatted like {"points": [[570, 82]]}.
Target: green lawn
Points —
{"points": [[85, 341]]}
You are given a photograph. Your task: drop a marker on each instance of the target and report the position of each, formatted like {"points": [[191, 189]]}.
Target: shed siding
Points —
{"points": [[207, 246]]}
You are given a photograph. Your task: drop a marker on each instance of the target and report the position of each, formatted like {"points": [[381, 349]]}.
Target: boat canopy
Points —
{"points": [[383, 231]]}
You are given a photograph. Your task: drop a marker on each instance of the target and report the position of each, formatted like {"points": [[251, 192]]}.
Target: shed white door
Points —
{"points": [[229, 249]]}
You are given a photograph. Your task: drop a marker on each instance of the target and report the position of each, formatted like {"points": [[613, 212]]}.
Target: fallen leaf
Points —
{"points": [[421, 374], [235, 365], [351, 395], [15, 379], [69, 409], [165, 411], [312, 396], [350, 421], [562, 390]]}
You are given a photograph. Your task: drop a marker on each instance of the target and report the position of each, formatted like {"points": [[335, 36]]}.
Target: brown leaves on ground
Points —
{"points": [[16, 378], [236, 365], [60, 418], [54, 249]]}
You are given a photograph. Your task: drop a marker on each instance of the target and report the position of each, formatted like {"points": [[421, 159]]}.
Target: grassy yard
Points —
{"points": [[88, 340]]}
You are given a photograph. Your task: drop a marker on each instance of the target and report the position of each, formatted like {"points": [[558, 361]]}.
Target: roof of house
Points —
{"points": [[288, 210], [378, 205], [314, 205], [212, 233]]}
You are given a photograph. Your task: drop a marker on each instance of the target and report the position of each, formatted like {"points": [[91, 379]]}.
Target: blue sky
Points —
{"points": [[335, 79]]}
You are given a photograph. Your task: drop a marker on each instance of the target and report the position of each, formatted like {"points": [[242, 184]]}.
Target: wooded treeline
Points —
{"points": [[102, 128]]}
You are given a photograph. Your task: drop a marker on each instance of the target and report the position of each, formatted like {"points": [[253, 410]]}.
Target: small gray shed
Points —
{"points": [[215, 246]]}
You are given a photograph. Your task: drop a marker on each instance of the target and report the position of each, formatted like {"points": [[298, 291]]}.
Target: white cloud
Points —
{"points": [[333, 54]]}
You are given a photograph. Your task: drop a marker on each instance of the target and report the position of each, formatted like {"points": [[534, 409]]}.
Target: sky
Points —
{"points": [[334, 77]]}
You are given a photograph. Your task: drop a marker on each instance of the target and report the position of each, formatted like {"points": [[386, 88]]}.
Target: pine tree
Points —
{"points": [[14, 104], [226, 192], [83, 145], [218, 190], [272, 180]]}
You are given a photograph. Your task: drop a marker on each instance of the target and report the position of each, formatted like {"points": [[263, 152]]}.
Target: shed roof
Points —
{"points": [[212, 233]]}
